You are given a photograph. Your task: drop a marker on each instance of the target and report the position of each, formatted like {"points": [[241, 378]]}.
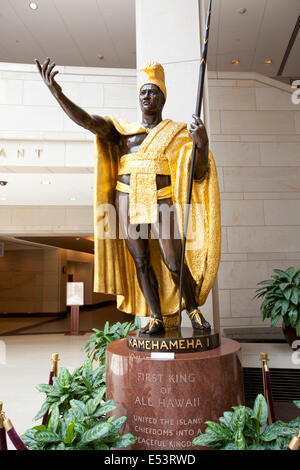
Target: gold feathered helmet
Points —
{"points": [[155, 75]]}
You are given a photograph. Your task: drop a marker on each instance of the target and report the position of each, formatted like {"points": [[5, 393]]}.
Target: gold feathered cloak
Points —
{"points": [[114, 267]]}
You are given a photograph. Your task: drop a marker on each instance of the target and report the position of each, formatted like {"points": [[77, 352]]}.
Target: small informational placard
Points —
{"points": [[75, 292], [163, 355]]}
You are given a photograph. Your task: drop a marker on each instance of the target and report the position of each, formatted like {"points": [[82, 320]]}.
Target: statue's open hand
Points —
{"points": [[47, 74], [198, 132]]}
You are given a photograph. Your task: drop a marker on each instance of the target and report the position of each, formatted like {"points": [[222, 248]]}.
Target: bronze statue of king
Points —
{"points": [[142, 172]]}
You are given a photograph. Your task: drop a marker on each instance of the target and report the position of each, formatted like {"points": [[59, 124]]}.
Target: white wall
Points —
{"points": [[39, 142], [255, 138]]}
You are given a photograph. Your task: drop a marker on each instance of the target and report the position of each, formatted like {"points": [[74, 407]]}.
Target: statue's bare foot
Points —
{"points": [[155, 325], [198, 321]]}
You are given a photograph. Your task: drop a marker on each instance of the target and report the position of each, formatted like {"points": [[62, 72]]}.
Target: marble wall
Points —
{"points": [[255, 138]]}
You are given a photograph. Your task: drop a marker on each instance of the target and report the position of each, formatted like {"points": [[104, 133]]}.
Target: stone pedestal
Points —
{"points": [[167, 401]]}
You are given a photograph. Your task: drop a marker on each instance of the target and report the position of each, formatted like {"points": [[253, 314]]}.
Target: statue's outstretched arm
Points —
{"points": [[96, 124], [199, 135]]}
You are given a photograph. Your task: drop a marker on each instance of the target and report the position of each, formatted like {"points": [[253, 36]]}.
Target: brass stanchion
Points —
{"points": [[53, 373], [295, 443], [267, 387]]}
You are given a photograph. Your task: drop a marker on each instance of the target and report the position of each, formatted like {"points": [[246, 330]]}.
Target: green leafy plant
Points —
{"points": [[245, 429], [84, 426], [281, 297], [96, 344], [83, 384], [77, 414]]}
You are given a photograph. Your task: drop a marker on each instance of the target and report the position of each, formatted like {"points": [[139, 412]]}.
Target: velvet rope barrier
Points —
{"points": [[13, 435], [3, 443]]}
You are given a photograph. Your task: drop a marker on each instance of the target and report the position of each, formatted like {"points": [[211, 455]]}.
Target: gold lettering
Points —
{"points": [[190, 343], [173, 344], [38, 151], [134, 343], [141, 343], [207, 342], [2, 153], [20, 153], [181, 344], [163, 345], [147, 346], [155, 344], [198, 343]]}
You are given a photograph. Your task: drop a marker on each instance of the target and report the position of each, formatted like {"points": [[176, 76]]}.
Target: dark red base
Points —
{"points": [[168, 401]]}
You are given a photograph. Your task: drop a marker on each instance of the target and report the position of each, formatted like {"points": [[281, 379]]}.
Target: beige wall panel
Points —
{"points": [[5, 216], [297, 121], [272, 98], [257, 122], [241, 274], [236, 153], [261, 179], [263, 239], [272, 196], [282, 212], [224, 300], [243, 304], [79, 216], [242, 213], [231, 98], [11, 92], [280, 153]]}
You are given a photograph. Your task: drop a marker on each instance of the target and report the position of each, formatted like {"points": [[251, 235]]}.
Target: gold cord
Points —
{"points": [[194, 315]]}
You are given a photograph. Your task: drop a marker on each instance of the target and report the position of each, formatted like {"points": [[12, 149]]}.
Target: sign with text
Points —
{"points": [[75, 293]]}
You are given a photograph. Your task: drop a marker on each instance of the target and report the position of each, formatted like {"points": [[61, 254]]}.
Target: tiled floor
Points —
{"points": [[25, 360], [12, 324], [24, 363]]}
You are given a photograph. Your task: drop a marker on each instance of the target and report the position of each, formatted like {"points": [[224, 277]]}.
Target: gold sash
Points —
{"points": [[162, 193], [143, 169]]}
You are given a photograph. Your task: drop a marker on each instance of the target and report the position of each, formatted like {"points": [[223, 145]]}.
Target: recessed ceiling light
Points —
{"points": [[72, 198], [33, 5], [268, 61], [235, 61], [242, 11], [3, 198], [45, 182]]}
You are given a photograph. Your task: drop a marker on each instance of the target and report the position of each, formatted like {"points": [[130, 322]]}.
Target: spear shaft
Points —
{"points": [[194, 151]]}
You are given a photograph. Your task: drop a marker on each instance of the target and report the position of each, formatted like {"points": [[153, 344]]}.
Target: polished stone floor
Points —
{"points": [[25, 359], [24, 363]]}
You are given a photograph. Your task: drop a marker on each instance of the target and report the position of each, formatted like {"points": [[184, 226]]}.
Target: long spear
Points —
{"points": [[191, 177]]}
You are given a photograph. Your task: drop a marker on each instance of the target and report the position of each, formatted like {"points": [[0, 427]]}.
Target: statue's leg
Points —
{"points": [[139, 250], [170, 247]]}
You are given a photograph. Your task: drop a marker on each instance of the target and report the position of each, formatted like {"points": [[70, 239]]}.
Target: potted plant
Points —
{"points": [[282, 300], [246, 429]]}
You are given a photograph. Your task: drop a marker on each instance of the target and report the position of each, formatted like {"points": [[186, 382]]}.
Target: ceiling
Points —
{"points": [[83, 244], [74, 32], [77, 32]]}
